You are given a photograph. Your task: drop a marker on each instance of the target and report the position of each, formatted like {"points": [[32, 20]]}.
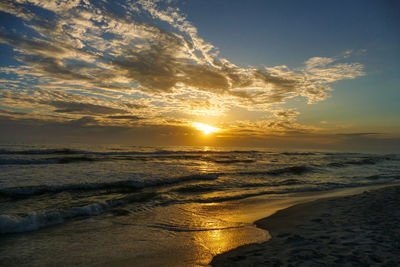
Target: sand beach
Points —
{"points": [[358, 230]]}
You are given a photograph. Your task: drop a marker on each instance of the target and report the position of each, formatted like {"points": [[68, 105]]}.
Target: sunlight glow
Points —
{"points": [[206, 129]]}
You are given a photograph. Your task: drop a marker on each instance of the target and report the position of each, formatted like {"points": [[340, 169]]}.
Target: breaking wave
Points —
{"points": [[12, 223], [127, 184], [296, 170]]}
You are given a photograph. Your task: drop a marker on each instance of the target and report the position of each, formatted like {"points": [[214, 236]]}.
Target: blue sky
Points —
{"points": [[264, 73], [290, 32]]}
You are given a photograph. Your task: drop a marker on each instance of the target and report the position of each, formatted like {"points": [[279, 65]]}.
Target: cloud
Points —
{"points": [[357, 134], [286, 114], [269, 127], [11, 113], [82, 108], [67, 103], [125, 117], [81, 59], [83, 122], [53, 5]]}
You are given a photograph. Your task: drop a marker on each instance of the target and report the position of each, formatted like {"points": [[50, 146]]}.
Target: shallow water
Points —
{"points": [[149, 205]]}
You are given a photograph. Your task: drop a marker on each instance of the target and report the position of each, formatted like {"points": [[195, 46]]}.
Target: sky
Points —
{"points": [[286, 74]]}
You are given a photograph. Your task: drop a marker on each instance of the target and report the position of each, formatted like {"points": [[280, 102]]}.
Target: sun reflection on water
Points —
{"points": [[219, 234]]}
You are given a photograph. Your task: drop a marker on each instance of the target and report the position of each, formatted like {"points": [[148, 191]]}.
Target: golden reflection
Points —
{"points": [[219, 233], [206, 167], [206, 149]]}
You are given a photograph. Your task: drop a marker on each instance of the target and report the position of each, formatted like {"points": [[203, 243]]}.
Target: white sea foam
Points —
{"points": [[37, 220]]}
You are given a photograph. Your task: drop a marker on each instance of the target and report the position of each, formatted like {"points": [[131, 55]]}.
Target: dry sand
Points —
{"points": [[359, 230]]}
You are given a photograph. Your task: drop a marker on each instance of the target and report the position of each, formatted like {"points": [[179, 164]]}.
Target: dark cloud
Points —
{"points": [[161, 69], [66, 103], [286, 114], [205, 78], [126, 117], [82, 122], [8, 112], [89, 130], [54, 67], [82, 108], [154, 69], [31, 45], [284, 84], [358, 134], [135, 106]]}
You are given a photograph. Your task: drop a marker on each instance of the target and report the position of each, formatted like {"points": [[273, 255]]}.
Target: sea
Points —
{"points": [[118, 205]]}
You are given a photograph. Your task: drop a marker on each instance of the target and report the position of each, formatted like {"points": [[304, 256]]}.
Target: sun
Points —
{"points": [[206, 129]]}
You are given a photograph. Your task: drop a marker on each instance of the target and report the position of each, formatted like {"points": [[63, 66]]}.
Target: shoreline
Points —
{"points": [[360, 229]]}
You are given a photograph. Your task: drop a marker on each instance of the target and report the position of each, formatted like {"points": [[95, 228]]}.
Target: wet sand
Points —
{"points": [[358, 230]]}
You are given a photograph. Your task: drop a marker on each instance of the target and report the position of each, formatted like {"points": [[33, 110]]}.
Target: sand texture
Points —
{"points": [[359, 230]]}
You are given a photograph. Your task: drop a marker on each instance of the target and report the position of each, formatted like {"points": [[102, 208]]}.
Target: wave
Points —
{"points": [[255, 194], [27, 161], [58, 160], [299, 153], [68, 151], [387, 177], [209, 187], [367, 161], [363, 161], [229, 161], [278, 183], [199, 188], [65, 160], [296, 170], [60, 151], [67, 156], [90, 158], [11, 223], [34, 221], [124, 185], [313, 188]]}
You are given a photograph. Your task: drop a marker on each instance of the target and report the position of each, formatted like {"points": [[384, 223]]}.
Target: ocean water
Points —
{"points": [[147, 206]]}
